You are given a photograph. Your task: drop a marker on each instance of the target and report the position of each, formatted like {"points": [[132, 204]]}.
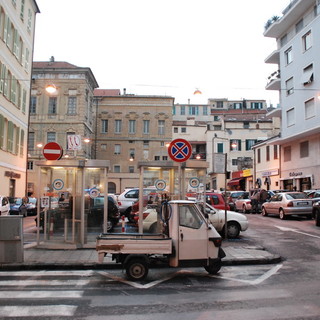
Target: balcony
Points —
{"points": [[273, 58], [274, 81]]}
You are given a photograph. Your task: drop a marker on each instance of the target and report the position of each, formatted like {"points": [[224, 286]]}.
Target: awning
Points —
{"points": [[234, 182]]}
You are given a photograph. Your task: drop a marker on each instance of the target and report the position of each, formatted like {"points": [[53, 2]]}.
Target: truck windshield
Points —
{"points": [[188, 216]]}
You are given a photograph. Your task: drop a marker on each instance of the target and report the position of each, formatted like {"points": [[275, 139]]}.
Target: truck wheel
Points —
{"points": [[213, 268], [137, 269], [233, 230]]}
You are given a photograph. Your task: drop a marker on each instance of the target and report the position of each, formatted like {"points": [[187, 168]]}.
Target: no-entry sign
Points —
{"points": [[52, 151], [180, 150]]}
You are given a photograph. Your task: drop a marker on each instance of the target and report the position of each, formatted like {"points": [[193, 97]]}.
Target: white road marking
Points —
{"points": [[38, 311], [40, 282], [41, 273], [40, 294], [296, 231]]}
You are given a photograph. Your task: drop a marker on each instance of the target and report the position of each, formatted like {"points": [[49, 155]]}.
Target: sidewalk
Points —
{"points": [[35, 258]]}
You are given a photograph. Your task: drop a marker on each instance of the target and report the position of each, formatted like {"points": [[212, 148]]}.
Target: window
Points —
{"points": [[256, 105], [309, 109], [250, 143], [220, 104], [289, 86], [161, 127], [132, 153], [146, 126], [157, 158], [21, 149], [104, 126], [267, 153], [116, 169], [306, 40], [246, 124], [1, 131], [304, 149], [51, 136], [103, 147], [287, 153], [193, 110], [10, 136], [173, 110], [275, 152], [118, 126], [182, 110], [30, 165], [33, 105], [216, 118], [132, 126], [283, 40], [117, 148], [234, 162], [72, 105], [205, 110], [220, 147], [22, 10], [307, 76], [288, 56], [235, 145], [259, 155], [52, 105], [29, 25], [31, 141], [175, 130], [290, 117], [299, 26], [131, 169], [164, 158], [188, 217], [183, 130], [237, 105]]}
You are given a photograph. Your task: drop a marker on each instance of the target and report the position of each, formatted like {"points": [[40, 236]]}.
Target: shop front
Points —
{"points": [[297, 180]]}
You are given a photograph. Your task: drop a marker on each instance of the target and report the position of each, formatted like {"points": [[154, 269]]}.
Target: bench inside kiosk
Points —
{"points": [[73, 207]]}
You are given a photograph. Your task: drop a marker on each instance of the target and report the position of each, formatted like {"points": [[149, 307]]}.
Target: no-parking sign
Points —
{"points": [[180, 150]]}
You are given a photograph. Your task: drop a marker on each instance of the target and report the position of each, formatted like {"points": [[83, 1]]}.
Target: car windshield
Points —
{"points": [[298, 195], [17, 201]]}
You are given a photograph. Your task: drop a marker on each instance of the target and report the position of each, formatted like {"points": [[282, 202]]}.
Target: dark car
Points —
{"points": [[23, 206], [316, 212], [94, 210]]}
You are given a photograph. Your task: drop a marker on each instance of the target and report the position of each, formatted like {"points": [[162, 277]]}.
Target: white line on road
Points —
{"points": [[296, 231], [38, 311], [40, 282], [40, 294]]}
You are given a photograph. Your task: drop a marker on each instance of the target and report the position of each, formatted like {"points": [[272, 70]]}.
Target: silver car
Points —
{"points": [[288, 203]]}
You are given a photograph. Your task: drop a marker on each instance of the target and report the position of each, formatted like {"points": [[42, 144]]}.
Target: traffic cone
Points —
{"points": [[123, 224]]}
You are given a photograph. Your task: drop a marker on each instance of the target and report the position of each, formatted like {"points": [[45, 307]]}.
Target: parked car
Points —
{"points": [[18, 207], [314, 195], [288, 203], [130, 196], [4, 206], [94, 210], [232, 196], [316, 212], [236, 221], [216, 200], [244, 202]]}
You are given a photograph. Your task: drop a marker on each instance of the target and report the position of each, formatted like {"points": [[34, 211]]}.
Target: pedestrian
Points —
{"points": [[255, 201]]}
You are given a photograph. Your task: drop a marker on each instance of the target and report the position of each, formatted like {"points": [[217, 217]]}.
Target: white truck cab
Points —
{"points": [[188, 240]]}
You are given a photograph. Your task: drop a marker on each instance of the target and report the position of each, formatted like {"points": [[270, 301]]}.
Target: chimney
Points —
{"points": [[51, 59], [124, 91]]}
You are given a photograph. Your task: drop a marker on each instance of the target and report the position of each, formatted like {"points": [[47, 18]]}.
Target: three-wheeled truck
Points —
{"points": [[187, 239]]}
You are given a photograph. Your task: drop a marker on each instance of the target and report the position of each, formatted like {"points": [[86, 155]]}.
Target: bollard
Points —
{"points": [[123, 224]]}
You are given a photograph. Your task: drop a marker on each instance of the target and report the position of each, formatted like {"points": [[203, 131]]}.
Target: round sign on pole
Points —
{"points": [[180, 150], [160, 184], [52, 151]]}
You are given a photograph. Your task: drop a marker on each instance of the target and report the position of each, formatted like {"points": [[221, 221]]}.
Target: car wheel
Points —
{"points": [[281, 214], [244, 209], [137, 269], [233, 230], [264, 212]]}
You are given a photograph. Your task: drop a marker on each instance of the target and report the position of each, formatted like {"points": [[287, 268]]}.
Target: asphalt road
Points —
{"points": [[288, 290]]}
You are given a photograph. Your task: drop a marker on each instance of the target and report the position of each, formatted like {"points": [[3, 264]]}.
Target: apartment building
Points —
{"points": [[297, 34], [17, 25], [131, 128], [58, 116], [225, 127]]}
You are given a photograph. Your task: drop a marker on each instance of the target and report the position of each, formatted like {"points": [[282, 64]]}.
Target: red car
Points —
{"points": [[216, 200]]}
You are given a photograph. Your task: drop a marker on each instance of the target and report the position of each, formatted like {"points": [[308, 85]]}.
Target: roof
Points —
{"points": [[106, 92], [53, 65]]}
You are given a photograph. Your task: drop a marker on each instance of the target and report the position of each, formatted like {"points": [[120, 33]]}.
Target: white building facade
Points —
{"points": [[17, 25], [297, 34]]}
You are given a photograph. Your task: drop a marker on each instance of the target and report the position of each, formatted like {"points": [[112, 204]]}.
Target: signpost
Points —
{"points": [[52, 151]]}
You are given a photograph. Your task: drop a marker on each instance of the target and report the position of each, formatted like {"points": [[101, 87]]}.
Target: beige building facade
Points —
{"points": [[17, 25], [55, 117], [131, 129]]}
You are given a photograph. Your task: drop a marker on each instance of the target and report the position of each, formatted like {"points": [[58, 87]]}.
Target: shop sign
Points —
{"points": [[295, 174], [246, 173], [272, 172], [12, 175]]}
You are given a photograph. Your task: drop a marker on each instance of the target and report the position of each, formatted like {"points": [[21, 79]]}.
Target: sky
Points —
{"points": [[164, 47]]}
